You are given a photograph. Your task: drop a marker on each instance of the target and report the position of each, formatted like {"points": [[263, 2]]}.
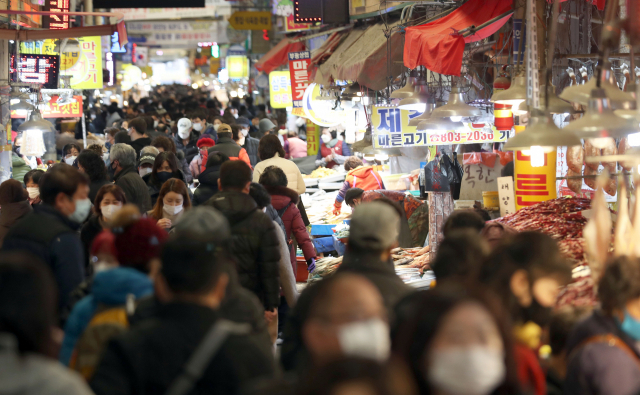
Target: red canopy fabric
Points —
{"points": [[277, 56], [439, 48]]}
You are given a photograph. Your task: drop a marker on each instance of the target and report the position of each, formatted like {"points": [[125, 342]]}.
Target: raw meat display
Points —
{"points": [[623, 147], [590, 181], [575, 158], [574, 184], [590, 150], [611, 187], [610, 149]]}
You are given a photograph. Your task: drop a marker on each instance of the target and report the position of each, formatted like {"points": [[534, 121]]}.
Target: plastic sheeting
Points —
{"points": [[439, 47], [278, 55]]}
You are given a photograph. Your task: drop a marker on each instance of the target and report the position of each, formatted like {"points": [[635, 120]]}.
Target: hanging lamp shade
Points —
{"points": [[541, 132], [366, 141], [35, 122], [600, 121], [556, 105], [456, 107], [370, 150], [581, 94], [424, 116], [516, 94], [21, 104], [407, 90]]}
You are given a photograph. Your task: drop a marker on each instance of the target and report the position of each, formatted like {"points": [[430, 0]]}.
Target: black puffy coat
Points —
{"points": [[190, 150], [134, 188], [254, 244], [208, 185], [155, 185]]}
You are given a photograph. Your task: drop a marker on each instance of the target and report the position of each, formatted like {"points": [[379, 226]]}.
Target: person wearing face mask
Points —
{"points": [[528, 272], [93, 166], [19, 164], [109, 200], [603, 353], [70, 152], [126, 176], [198, 163], [31, 180], [14, 203], [145, 165], [138, 133], [200, 126], [51, 231], [249, 143], [164, 168], [227, 144], [186, 141], [138, 243], [332, 151], [173, 201], [456, 341]]}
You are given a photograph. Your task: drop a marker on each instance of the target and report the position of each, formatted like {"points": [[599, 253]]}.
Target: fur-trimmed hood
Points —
{"points": [[283, 191]]}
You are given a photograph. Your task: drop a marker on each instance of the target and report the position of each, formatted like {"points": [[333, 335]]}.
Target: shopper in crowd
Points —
{"points": [[150, 358], [255, 243], [272, 154], [332, 152], [122, 137], [27, 330], [173, 201], [250, 144], [109, 200], [603, 349], [19, 165], [460, 257], [416, 212], [199, 123], [14, 204], [164, 168], [228, 146], [70, 152], [166, 144], [31, 180], [495, 232], [126, 176], [265, 126], [373, 233], [297, 146], [209, 178], [138, 133], [145, 164], [285, 270], [457, 341], [562, 324], [358, 175], [110, 134], [149, 150], [93, 166], [199, 162], [329, 322], [51, 231], [138, 243], [527, 273], [463, 219], [186, 141], [284, 201]]}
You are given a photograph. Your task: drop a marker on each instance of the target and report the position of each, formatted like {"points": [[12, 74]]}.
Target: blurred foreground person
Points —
{"points": [[604, 357], [27, 321], [463, 219], [126, 176], [527, 273], [161, 355], [457, 342], [14, 205], [459, 257]]}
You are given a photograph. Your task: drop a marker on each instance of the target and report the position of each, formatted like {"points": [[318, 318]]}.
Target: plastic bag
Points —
{"points": [[453, 171], [435, 178]]}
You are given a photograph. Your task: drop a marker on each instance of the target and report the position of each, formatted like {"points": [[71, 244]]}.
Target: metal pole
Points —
{"points": [[552, 49], [84, 131]]}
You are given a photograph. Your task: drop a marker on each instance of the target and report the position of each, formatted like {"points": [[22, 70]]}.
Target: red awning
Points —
{"points": [[277, 56], [439, 47]]}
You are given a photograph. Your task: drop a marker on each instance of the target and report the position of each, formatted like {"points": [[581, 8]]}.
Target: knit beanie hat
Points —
{"points": [[139, 242]]}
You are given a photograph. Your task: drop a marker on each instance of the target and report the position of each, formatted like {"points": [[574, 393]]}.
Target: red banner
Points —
{"points": [[53, 110], [298, 64], [291, 26]]}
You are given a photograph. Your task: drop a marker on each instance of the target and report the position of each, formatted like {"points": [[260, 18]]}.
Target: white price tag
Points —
{"points": [[506, 195]]}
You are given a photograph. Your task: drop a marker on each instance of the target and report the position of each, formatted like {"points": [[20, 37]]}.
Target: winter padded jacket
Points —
{"points": [[227, 146], [12, 213], [190, 150], [254, 243], [134, 188], [363, 177], [290, 169], [251, 146], [208, 185]]}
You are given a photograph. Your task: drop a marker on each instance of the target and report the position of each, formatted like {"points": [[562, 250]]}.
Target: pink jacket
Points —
{"points": [[297, 147]]}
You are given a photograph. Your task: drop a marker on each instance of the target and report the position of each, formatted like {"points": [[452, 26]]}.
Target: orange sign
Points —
{"points": [[534, 184], [291, 26], [53, 110]]}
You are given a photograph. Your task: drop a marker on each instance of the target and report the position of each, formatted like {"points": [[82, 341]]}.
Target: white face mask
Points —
{"points": [[110, 210], [475, 370], [70, 160], [244, 132], [144, 171], [325, 138], [366, 339], [241, 141], [197, 127], [155, 123], [172, 210], [102, 266], [83, 207], [235, 116], [184, 134], [216, 126], [93, 116], [34, 192]]}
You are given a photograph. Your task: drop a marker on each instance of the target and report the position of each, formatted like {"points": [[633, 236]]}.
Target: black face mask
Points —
{"points": [[112, 170], [16, 149], [537, 313], [164, 176]]}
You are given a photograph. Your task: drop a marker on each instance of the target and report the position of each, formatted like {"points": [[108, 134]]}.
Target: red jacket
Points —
{"points": [[363, 177], [293, 224]]}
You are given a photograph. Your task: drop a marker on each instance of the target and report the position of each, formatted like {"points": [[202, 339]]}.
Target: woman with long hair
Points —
{"points": [[164, 168], [173, 200], [92, 164]]}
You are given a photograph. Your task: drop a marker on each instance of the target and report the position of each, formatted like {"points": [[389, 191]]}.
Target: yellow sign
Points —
{"points": [[214, 65], [280, 89], [251, 20], [84, 67], [238, 67], [313, 138], [534, 184], [69, 57]]}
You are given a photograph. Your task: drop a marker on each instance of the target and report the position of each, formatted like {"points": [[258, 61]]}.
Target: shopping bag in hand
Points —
{"points": [[434, 178]]}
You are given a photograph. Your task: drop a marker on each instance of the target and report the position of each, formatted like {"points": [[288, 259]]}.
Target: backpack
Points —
{"points": [[106, 323]]}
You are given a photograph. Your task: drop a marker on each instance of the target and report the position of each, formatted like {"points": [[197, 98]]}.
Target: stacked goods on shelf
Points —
{"points": [[320, 172]]}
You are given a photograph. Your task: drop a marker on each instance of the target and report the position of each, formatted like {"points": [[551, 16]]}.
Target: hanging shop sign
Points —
{"points": [[187, 38], [291, 26], [115, 44], [86, 70], [391, 129], [298, 63], [174, 26], [53, 110], [56, 22], [38, 47], [110, 67], [35, 69], [322, 112], [280, 89], [313, 138], [137, 14], [238, 67], [534, 184], [251, 20]]}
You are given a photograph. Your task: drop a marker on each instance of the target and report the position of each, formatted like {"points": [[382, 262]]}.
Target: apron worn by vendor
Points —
{"points": [[326, 151]]}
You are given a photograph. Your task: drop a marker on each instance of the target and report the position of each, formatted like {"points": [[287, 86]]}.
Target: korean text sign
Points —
{"points": [[85, 67], [53, 110], [35, 69], [280, 89], [298, 63], [534, 184]]}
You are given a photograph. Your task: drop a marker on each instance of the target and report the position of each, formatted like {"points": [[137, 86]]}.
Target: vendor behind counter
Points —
{"points": [[332, 152], [360, 176]]}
